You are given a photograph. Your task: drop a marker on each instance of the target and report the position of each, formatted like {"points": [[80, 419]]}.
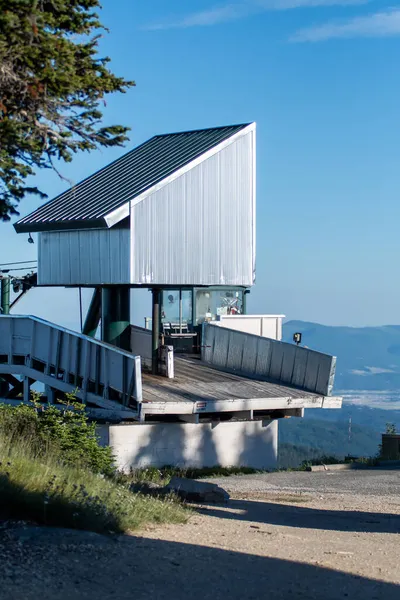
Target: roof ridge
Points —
{"points": [[218, 128]]}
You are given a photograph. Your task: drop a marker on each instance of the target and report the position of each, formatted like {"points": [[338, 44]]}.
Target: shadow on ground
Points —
{"points": [[139, 568], [303, 517]]}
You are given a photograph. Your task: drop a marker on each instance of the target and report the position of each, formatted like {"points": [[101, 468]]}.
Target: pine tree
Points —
{"points": [[52, 87]]}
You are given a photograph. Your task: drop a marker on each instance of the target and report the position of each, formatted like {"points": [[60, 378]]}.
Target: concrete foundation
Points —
{"points": [[240, 444]]}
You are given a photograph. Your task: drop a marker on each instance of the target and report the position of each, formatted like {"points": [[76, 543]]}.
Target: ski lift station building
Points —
{"points": [[175, 215]]}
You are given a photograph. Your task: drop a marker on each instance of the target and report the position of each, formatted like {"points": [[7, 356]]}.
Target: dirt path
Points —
{"points": [[273, 540]]}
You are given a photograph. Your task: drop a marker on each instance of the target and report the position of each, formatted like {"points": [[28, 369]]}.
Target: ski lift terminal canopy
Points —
{"points": [[178, 210]]}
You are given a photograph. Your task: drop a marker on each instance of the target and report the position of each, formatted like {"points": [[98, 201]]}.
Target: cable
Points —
{"points": [[23, 262]]}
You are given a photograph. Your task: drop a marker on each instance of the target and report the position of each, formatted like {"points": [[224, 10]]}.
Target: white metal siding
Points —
{"points": [[269, 326], [198, 229], [88, 257]]}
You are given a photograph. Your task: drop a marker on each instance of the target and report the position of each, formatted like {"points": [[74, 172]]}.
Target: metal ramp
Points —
{"points": [[200, 392], [106, 379], [237, 376]]}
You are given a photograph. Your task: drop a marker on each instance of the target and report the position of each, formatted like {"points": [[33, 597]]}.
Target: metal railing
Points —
{"points": [[141, 344], [67, 361], [264, 358]]}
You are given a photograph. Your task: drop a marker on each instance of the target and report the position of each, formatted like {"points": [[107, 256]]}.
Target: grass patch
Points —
{"points": [[164, 475], [47, 492], [270, 497], [290, 499], [53, 471], [66, 432], [220, 472]]}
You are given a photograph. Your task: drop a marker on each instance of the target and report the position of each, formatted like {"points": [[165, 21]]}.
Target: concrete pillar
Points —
{"points": [[166, 366]]}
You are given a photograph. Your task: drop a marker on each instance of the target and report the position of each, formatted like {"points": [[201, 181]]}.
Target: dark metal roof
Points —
{"points": [[86, 204]]}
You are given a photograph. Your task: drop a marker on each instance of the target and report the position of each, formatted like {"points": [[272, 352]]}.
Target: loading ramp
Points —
{"points": [[104, 378], [199, 391]]}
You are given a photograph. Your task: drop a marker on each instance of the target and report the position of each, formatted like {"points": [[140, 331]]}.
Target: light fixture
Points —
{"points": [[30, 239], [297, 338], [17, 285]]}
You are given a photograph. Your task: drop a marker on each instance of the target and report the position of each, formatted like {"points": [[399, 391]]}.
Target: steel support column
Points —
{"points": [[93, 314], [4, 310], [156, 328], [5, 295], [115, 316]]}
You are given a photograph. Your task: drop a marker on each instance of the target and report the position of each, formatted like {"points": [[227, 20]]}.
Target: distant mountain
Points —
{"points": [[368, 377], [355, 429], [368, 358], [322, 438]]}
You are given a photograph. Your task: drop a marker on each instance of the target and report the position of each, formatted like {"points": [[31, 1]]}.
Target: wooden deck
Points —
{"points": [[197, 388]]}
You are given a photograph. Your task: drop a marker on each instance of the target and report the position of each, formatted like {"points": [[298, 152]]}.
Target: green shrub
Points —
{"points": [[66, 433], [391, 429]]}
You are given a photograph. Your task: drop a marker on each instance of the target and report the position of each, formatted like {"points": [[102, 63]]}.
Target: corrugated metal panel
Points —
{"points": [[89, 257], [86, 204], [199, 228], [256, 356], [141, 344]]}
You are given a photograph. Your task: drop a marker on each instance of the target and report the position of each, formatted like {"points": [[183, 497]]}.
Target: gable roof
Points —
{"points": [[87, 204]]}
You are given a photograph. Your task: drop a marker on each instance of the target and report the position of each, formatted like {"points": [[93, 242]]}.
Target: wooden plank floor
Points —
{"points": [[196, 381]]}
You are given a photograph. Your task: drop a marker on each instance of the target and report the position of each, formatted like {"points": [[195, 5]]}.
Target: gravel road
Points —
{"points": [[382, 483], [287, 535]]}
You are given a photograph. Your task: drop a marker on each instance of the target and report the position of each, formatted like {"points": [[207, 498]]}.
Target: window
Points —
{"points": [[212, 303], [170, 306], [176, 307]]}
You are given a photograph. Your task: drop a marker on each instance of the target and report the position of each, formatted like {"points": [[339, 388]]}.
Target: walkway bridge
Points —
{"points": [[107, 380]]}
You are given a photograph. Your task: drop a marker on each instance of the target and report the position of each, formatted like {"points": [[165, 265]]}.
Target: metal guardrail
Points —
{"points": [[67, 361], [141, 344], [264, 358]]}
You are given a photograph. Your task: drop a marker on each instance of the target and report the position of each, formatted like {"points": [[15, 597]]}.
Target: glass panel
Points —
{"points": [[203, 306], [187, 306], [231, 303], [170, 306], [212, 303]]}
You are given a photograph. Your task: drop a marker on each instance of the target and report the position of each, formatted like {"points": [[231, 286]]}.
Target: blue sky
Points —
{"points": [[321, 79]]}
